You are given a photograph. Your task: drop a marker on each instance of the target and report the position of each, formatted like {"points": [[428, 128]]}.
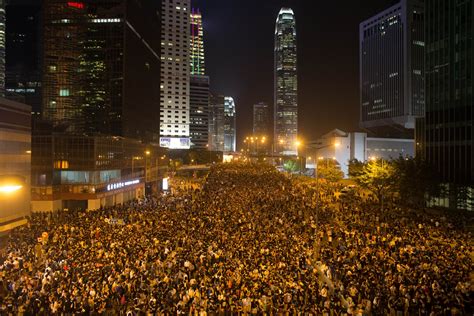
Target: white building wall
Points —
{"points": [[344, 147]]}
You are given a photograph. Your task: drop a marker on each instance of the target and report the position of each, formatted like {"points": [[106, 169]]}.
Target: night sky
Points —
{"points": [[239, 38]]}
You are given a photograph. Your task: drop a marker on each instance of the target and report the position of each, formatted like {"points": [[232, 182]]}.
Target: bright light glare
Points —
{"points": [[10, 188]]}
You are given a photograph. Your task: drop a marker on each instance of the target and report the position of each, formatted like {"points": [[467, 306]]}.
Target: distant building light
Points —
{"points": [[116, 20], [120, 185], [77, 5]]}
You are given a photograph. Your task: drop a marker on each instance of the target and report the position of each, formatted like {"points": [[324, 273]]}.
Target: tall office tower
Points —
{"points": [[199, 99], [2, 48], [446, 136], [230, 135], [22, 60], [286, 86], [93, 81], [197, 44], [391, 56], [198, 86], [175, 72], [216, 122], [261, 120]]}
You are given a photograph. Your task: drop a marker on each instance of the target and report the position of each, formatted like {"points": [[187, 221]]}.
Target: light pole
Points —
{"points": [[297, 145], [147, 153], [209, 150]]}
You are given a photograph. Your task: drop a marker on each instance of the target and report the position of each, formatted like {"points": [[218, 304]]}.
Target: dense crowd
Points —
{"points": [[250, 240]]}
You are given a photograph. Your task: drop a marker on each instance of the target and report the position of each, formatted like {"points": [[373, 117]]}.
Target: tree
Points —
{"points": [[416, 181], [378, 177], [290, 166], [330, 171], [355, 168]]}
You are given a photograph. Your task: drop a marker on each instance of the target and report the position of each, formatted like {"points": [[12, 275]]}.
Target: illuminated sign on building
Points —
{"points": [[115, 186], [165, 184], [175, 143], [77, 5]]}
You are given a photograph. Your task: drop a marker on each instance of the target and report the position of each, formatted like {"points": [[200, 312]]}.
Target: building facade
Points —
{"points": [[343, 147], [197, 44], [23, 56], [285, 84], [88, 172], [92, 82], [446, 136], [2, 48], [391, 63], [216, 122], [175, 72], [261, 120], [199, 128], [230, 131], [15, 164]]}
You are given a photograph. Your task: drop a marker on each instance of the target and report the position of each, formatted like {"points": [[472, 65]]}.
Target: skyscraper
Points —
{"points": [[23, 55], [199, 86], [261, 119], [285, 84], [2, 48], [216, 122], [93, 82], [392, 69], [197, 44], [199, 98], [446, 136], [175, 72], [230, 136]]}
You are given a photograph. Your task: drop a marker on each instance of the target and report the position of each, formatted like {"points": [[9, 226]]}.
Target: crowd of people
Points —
{"points": [[250, 240]]}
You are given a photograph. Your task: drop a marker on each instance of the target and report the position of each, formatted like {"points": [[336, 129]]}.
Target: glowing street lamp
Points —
{"points": [[10, 188], [10, 184]]}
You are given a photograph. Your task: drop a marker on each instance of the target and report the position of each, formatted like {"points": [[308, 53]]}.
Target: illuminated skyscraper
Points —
{"points": [[197, 44], [216, 122], [229, 125], [286, 87], [23, 55], [2, 48], [175, 72], [93, 82], [198, 86], [199, 98], [261, 119]]}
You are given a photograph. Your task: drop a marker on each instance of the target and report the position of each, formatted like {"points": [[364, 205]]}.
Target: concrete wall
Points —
{"points": [[46, 206], [15, 163]]}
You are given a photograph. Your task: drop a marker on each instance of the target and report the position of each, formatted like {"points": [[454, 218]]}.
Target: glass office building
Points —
{"points": [[285, 84], [445, 137], [101, 67], [216, 122], [230, 135], [197, 44], [199, 128], [22, 68]]}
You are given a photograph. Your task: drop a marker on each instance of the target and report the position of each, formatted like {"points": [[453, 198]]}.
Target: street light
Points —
{"points": [[10, 184], [10, 188]]}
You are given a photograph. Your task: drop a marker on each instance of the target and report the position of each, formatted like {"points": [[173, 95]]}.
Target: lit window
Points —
{"points": [[64, 92]]}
